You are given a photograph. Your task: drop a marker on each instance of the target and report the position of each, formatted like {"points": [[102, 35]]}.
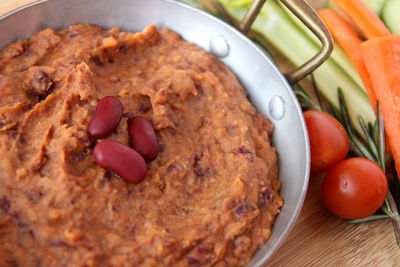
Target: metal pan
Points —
{"points": [[268, 89]]}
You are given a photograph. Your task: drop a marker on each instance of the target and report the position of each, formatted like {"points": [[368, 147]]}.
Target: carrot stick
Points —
{"points": [[369, 24], [382, 59], [348, 39]]}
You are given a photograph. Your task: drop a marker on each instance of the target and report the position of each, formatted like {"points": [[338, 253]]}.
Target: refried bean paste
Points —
{"points": [[209, 198]]}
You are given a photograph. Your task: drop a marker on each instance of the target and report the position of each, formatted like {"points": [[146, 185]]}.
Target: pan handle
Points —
{"points": [[310, 18]]}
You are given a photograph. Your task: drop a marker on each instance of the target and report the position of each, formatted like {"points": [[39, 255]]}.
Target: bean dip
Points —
{"points": [[209, 198]]}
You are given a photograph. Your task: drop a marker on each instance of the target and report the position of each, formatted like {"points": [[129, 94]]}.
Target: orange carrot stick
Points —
{"points": [[348, 39], [382, 59], [369, 24]]}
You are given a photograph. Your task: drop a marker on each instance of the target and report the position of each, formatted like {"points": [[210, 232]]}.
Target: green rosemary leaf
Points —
{"points": [[369, 218], [370, 128], [373, 129], [317, 92], [362, 148], [394, 185], [348, 125], [372, 145], [304, 98], [381, 138], [334, 112], [386, 206], [345, 113]]}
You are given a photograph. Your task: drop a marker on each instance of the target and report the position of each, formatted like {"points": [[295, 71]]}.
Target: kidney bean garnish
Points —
{"points": [[120, 159], [106, 118], [143, 137]]}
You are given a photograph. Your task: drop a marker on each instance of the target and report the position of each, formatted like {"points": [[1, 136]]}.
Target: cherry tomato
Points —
{"points": [[329, 143], [355, 188]]}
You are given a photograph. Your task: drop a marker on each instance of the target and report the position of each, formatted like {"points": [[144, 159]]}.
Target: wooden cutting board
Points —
{"points": [[319, 238]]}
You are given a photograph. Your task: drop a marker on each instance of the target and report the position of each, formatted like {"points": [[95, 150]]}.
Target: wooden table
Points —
{"points": [[319, 238]]}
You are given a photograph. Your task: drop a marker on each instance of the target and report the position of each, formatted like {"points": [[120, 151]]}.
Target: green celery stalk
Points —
{"points": [[285, 34], [390, 15], [338, 55], [274, 24], [375, 5]]}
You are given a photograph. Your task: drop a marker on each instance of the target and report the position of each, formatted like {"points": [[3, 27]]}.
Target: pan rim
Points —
{"points": [[251, 45]]}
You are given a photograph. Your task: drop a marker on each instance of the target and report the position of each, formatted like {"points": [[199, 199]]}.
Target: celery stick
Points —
{"points": [[338, 55], [391, 15], [331, 5], [375, 5], [282, 33]]}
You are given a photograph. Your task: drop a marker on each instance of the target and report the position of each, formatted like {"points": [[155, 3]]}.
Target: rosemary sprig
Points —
{"points": [[317, 92], [370, 145], [373, 149], [305, 100], [373, 217]]}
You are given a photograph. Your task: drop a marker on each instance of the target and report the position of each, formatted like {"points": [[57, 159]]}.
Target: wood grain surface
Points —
{"points": [[318, 238]]}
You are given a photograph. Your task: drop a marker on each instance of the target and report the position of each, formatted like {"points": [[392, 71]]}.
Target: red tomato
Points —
{"points": [[355, 188], [329, 143]]}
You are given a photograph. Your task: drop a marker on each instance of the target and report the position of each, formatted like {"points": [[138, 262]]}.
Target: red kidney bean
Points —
{"points": [[120, 159], [106, 118], [143, 137]]}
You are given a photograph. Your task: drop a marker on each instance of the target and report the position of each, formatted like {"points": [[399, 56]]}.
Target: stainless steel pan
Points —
{"points": [[268, 88]]}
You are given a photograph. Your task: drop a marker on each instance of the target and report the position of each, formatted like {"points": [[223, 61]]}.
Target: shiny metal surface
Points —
{"points": [[219, 47], [302, 11], [251, 14], [256, 72]]}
